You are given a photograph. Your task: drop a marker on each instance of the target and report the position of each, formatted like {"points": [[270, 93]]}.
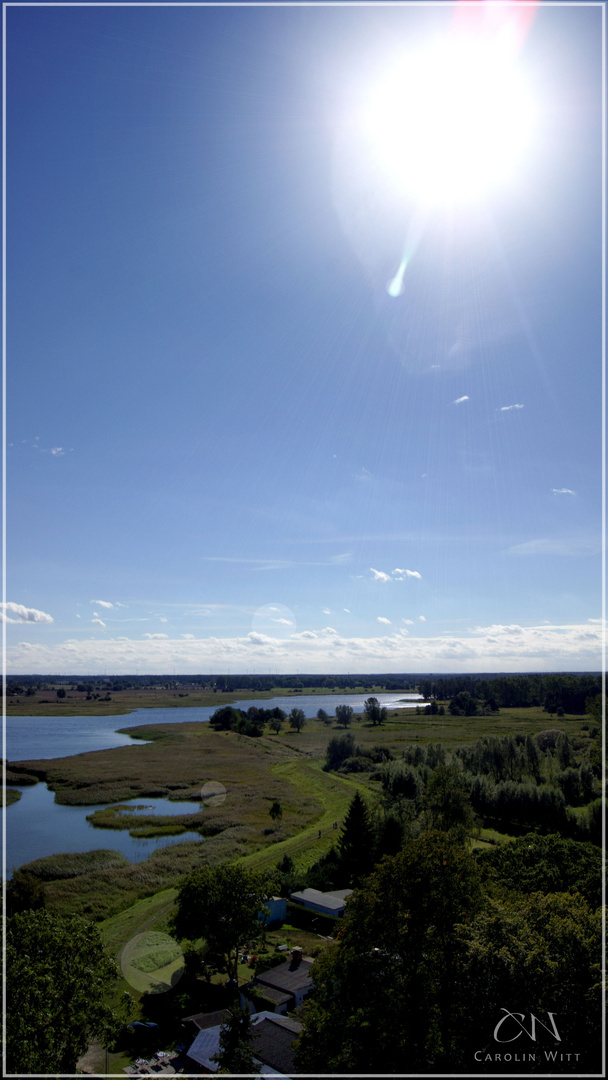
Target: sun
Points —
{"points": [[450, 123]]}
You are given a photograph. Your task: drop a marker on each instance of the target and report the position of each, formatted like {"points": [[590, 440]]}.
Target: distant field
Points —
{"points": [[75, 703]]}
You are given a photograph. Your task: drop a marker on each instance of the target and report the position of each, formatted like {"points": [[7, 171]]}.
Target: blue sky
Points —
{"points": [[228, 448]]}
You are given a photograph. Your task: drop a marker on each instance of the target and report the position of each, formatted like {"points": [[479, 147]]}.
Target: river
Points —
{"points": [[38, 826]]}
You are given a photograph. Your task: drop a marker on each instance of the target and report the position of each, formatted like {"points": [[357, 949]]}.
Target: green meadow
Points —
{"points": [[180, 758]]}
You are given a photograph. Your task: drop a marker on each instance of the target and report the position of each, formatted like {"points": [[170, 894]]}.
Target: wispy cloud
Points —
{"points": [[422, 618], [326, 611], [102, 603], [18, 613], [459, 400], [98, 622], [400, 575], [507, 408], [573, 547], [156, 637], [563, 491], [381, 619]]}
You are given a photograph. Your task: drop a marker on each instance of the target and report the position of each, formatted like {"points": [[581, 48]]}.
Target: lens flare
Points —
{"points": [[452, 121]]}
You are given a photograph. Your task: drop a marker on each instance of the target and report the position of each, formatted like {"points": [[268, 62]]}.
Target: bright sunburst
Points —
{"points": [[451, 122]]}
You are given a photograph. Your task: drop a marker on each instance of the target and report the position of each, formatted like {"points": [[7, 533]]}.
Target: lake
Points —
{"points": [[38, 826], [29, 737]]}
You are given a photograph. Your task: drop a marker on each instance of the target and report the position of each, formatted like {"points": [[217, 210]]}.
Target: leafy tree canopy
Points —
{"points": [[385, 993], [548, 864], [220, 904], [57, 978]]}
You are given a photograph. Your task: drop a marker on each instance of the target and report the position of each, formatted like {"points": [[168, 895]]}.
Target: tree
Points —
{"points": [[276, 811], [57, 977], [234, 1054], [297, 719], [355, 846], [387, 990], [276, 724], [374, 713], [448, 800], [322, 715], [339, 748], [220, 904], [225, 718], [61, 693], [24, 892], [344, 714], [541, 949]]}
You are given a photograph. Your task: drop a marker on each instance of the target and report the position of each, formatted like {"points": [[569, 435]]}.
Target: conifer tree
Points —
{"points": [[355, 846]]}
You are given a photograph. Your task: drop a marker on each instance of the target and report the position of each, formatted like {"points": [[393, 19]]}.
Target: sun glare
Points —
{"points": [[450, 123]]}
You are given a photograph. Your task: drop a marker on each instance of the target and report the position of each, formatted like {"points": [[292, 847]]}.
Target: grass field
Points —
{"points": [[287, 767]]}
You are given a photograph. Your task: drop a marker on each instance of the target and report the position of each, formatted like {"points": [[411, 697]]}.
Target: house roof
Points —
{"points": [[313, 896], [205, 1045], [272, 1041], [207, 1020], [278, 996], [340, 894], [289, 977]]}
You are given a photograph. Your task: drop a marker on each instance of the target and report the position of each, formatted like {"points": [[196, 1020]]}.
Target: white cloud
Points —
{"points": [[259, 639], [156, 637], [381, 619], [162, 619], [379, 575], [508, 648], [563, 491], [326, 611], [400, 575], [347, 610], [102, 603], [283, 622], [422, 618], [57, 451], [459, 400], [408, 622], [18, 613], [507, 408], [98, 622], [187, 637]]}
